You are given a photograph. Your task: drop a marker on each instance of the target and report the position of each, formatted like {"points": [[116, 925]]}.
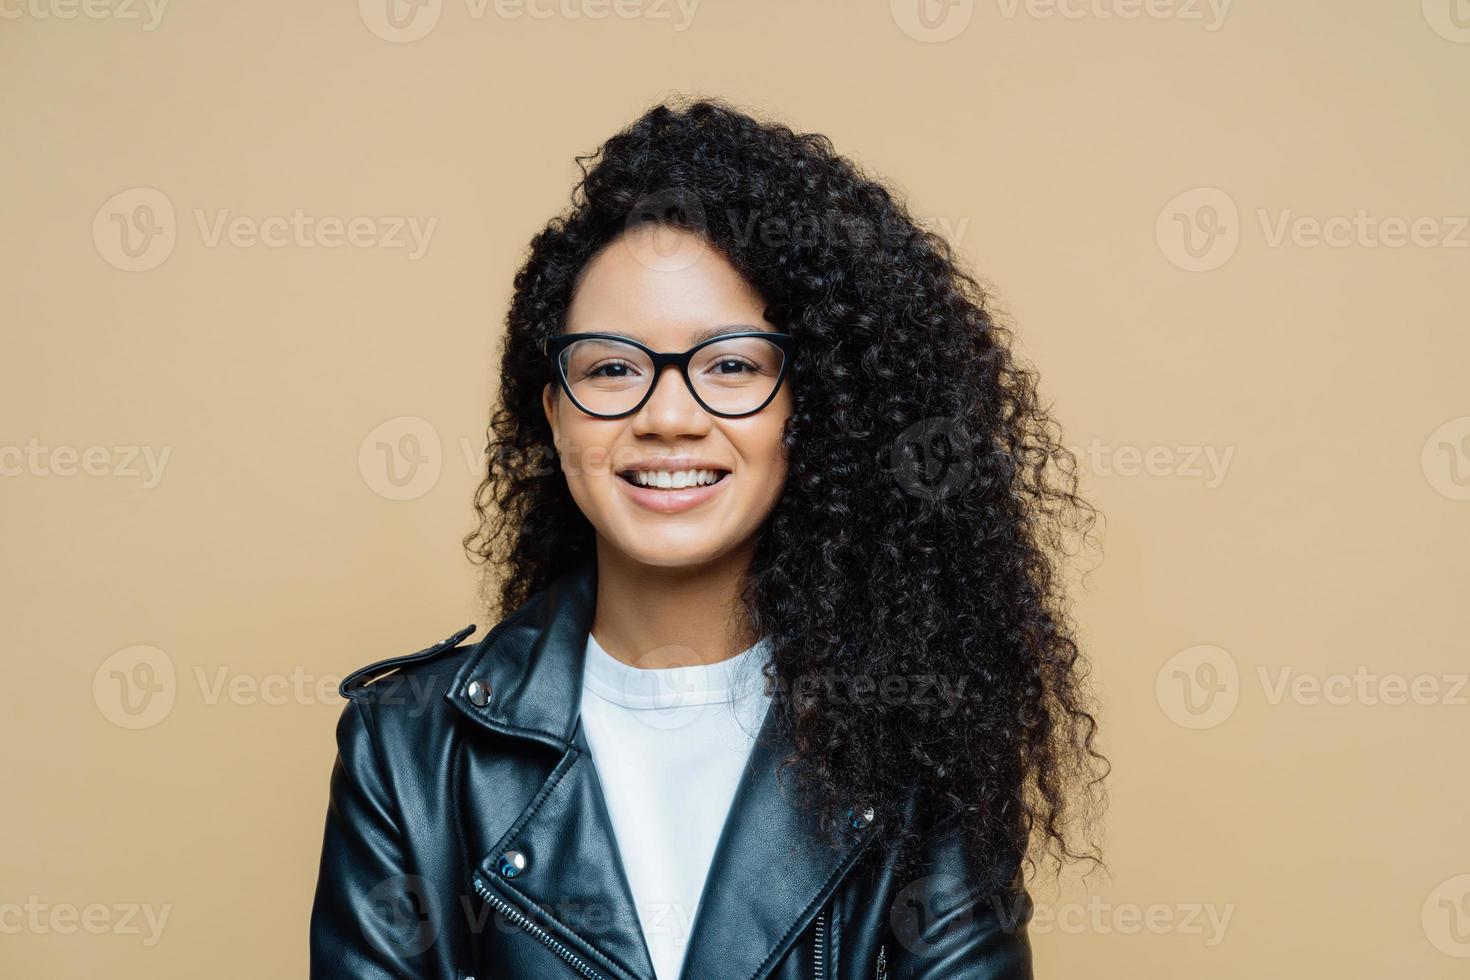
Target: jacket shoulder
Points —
{"points": [[359, 684]]}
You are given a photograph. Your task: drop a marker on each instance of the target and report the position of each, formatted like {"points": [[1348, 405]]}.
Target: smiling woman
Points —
{"points": [[677, 468], [799, 485]]}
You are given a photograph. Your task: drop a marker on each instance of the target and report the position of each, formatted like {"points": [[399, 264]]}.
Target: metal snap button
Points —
{"points": [[478, 692], [860, 818], [511, 864]]}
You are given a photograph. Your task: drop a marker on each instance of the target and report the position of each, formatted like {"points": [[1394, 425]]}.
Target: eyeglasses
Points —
{"points": [[731, 375]]}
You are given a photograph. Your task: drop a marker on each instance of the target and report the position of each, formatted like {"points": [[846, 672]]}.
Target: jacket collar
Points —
{"points": [[772, 869], [529, 667]]}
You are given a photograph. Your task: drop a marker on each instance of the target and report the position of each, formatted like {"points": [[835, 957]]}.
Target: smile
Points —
{"points": [[673, 491], [673, 479]]}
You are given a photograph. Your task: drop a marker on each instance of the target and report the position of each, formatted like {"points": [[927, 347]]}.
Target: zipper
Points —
{"points": [[546, 938], [819, 947]]}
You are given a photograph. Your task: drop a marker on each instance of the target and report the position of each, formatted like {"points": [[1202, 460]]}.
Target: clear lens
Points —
{"points": [[609, 377]]}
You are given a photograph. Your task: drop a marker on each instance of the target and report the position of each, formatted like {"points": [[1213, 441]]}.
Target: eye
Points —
{"points": [[721, 366], [610, 369]]}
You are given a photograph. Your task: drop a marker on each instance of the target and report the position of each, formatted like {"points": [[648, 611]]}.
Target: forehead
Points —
{"points": [[663, 286]]}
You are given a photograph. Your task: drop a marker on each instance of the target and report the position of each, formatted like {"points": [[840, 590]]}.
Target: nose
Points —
{"points": [[671, 410]]}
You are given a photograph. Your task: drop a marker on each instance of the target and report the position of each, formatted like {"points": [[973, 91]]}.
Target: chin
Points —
{"points": [[674, 552]]}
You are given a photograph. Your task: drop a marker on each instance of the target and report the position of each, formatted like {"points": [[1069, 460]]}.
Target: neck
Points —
{"points": [[654, 616]]}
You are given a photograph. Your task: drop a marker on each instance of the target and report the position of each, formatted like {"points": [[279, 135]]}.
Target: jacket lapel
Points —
{"points": [[771, 870], [529, 676], [771, 873], [573, 881]]}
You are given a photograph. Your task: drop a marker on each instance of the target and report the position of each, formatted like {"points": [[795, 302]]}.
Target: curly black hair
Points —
{"points": [[929, 500]]}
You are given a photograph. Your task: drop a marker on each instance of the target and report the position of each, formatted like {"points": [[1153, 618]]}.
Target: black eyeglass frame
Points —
{"points": [[553, 346]]}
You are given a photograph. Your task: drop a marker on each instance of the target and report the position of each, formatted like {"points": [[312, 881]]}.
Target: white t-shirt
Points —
{"points": [[669, 745]]}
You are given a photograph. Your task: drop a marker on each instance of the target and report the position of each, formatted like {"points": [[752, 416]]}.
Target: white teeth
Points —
{"points": [[674, 480]]}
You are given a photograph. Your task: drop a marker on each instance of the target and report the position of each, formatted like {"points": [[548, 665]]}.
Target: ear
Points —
{"points": [[548, 406]]}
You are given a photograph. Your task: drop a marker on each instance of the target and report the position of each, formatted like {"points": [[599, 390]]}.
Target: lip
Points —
{"points": [[672, 501], [673, 463]]}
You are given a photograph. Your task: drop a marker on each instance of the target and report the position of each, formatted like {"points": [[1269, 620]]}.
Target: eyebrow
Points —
{"points": [[699, 337]]}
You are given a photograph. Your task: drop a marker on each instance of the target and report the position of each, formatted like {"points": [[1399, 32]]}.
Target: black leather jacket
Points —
{"points": [[466, 837]]}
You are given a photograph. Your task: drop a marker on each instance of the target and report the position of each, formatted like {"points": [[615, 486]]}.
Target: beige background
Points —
{"points": [[1276, 424]]}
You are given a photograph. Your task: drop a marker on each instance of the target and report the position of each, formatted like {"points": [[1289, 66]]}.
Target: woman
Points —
{"points": [[783, 685]]}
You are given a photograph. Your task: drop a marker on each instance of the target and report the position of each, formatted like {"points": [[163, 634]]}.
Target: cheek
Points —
{"points": [[584, 448], [763, 455]]}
